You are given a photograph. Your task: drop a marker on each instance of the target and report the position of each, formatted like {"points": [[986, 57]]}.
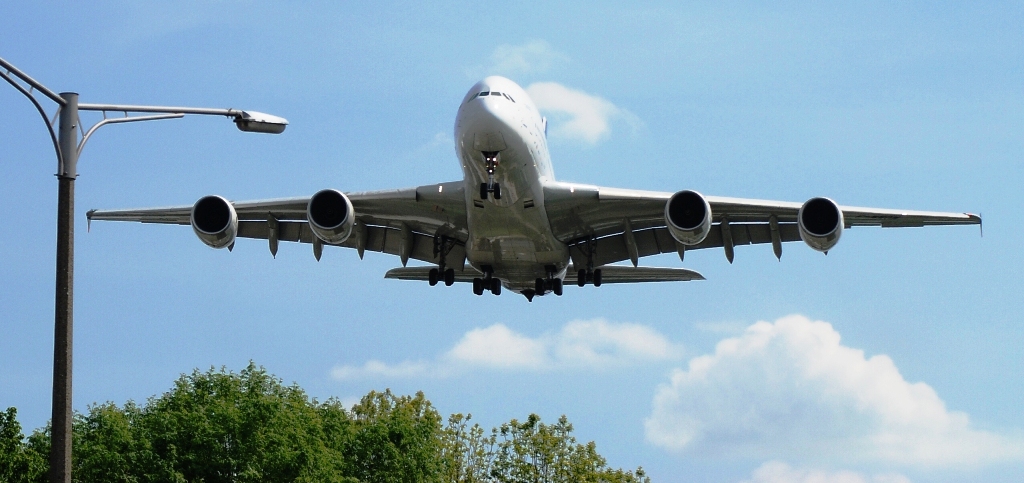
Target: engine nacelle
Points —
{"points": [[330, 216], [821, 223], [214, 220], [688, 217]]}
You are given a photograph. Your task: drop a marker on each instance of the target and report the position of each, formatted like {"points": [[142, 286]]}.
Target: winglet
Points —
{"points": [[88, 220], [981, 225]]}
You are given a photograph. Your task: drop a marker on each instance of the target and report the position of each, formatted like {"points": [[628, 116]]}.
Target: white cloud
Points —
{"points": [[592, 344], [497, 346], [790, 389], [374, 368], [575, 114], [533, 57], [779, 472]]}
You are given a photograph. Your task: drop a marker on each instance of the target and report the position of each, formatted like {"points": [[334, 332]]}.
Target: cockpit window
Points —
{"points": [[495, 93], [484, 93], [509, 97]]}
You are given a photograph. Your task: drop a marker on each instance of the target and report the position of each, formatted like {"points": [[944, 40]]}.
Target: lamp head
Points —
{"points": [[252, 121]]}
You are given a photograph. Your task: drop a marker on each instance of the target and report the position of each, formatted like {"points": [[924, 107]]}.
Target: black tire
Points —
{"points": [[495, 286], [449, 277], [597, 277], [581, 277], [483, 191], [478, 286], [497, 191], [556, 286], [432, 277], [538, 286]]}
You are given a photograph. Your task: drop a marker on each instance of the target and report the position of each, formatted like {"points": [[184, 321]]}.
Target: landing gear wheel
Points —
{"points": [[581, 277], [495, 286], [449, 277], [539, 287], [432, 277], [597, 277], [478, 286], [556, 286], [483, 191], [497, 191]]}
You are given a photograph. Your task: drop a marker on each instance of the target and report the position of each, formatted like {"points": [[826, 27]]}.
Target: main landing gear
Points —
{"points": [[488, 282], [551, 283], [584, 276], [491, 162], [442, 246]]}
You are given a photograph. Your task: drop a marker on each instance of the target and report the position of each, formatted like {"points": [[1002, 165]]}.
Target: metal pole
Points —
{"points": [[62, 417]]}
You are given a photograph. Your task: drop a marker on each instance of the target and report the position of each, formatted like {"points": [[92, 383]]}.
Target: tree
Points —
{"points": [[19, 461], [223, 426]]}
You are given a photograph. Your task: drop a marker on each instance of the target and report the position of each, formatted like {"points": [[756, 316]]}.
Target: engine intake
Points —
{"points": [[330, 216], [821, 223], [688, 217], [214, 220]]}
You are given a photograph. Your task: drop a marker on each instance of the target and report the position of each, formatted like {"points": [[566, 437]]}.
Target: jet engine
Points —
{"points": [[330, 216], [821, 222], [214, 220], [688, 217]]}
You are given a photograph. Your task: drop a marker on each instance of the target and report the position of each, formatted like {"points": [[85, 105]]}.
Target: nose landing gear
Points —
{"points": [[491, 162]]}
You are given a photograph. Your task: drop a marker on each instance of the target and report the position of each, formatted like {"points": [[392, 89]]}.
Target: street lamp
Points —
{"points": [[68, 147]]}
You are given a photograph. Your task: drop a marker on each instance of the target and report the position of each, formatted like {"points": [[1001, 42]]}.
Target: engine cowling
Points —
{"points": [[821, 223], [330, 216], [688, 217], [215, 221]]}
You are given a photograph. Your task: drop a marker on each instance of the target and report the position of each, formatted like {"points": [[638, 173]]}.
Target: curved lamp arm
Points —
{"points": [[81, 145]]}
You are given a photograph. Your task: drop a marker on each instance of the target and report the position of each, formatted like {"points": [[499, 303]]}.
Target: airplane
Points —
{"points": [[509, 223]]}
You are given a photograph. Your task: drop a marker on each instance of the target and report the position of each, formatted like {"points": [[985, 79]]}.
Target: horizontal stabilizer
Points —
{"points": [[609, 274], [627, 274], [423, 273]]}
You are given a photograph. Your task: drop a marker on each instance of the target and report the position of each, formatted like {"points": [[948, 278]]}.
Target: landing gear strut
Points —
{"points": [[488, 282], [442, 247], [491, 186], [589, 274]]}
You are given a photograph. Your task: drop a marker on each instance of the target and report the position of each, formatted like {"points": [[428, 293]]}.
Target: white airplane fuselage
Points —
{"points": [[510, 236]]}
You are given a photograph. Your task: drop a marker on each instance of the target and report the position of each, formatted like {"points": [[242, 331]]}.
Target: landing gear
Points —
{"points": [[590, 274], [442, 246], [488, 282], [490, 188], [552, 283], [584, 276], [491, 163]]}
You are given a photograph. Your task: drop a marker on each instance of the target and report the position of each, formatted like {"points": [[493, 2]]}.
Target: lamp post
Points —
{"points": [[68, 147]]}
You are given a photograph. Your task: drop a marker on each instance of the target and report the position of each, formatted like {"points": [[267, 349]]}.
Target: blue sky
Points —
{"points": [[895, 358]]}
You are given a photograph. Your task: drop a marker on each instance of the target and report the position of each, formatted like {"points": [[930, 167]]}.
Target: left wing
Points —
{"points": [[607, 225], [387, 221]]}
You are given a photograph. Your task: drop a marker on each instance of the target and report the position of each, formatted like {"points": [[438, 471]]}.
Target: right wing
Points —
{"points": [[428, 213]]}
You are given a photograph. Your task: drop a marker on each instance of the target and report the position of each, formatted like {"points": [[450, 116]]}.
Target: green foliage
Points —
{"points": [[218, 426], [20, 462], [528, 452]]}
